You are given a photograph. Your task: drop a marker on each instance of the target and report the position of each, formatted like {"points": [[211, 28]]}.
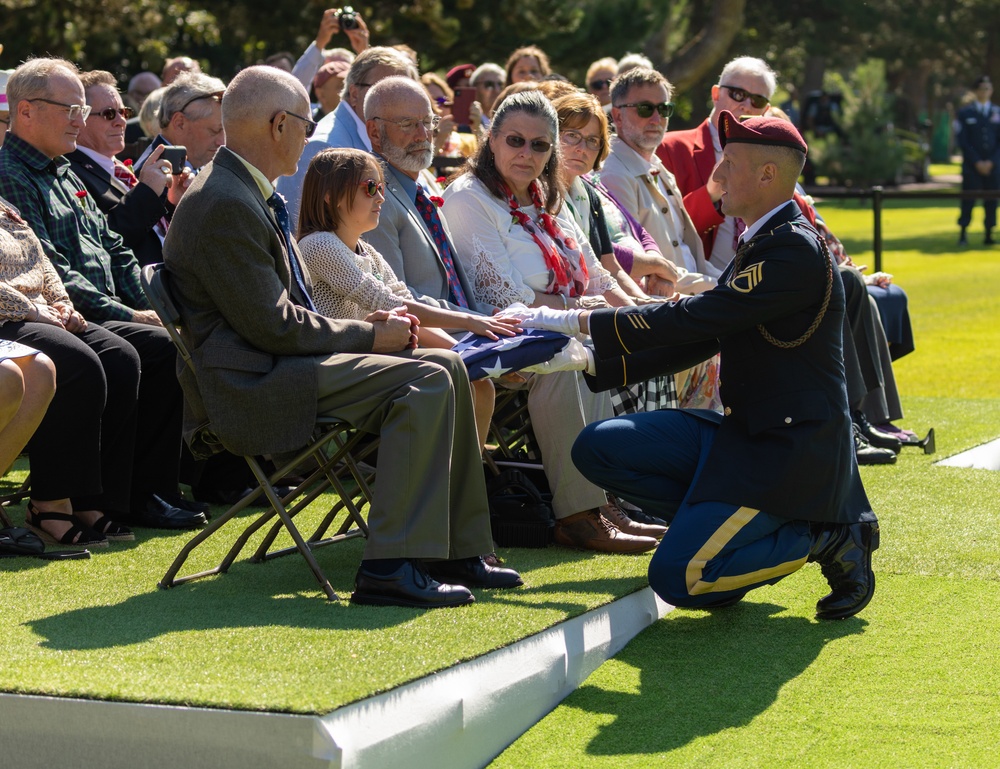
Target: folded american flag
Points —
{"points": [[486, 358]]}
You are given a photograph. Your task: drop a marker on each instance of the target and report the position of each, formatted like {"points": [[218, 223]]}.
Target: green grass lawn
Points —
{"points": [[913, 680]]}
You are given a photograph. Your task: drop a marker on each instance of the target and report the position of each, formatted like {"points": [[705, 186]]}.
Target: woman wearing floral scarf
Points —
{"points": [[517, 244]]}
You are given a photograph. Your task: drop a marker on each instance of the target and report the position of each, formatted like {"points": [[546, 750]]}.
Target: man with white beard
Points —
{"points": [[400, 124]]}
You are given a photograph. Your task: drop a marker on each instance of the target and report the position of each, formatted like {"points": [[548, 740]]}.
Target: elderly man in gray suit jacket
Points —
{"points": [[266, 364]]}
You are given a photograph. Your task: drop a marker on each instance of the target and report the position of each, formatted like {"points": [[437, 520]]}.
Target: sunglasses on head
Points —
{"points": [[216, 96], [644, 109], [372, 187], [597, 85], [537, 145], [111, 113], [741, 94]]}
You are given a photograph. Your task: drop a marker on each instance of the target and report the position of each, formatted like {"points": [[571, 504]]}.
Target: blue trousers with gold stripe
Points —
{"points": [[712, 550]]}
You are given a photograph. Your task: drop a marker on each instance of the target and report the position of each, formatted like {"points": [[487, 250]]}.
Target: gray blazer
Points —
{"points": [[253, 342], [406, 244]]}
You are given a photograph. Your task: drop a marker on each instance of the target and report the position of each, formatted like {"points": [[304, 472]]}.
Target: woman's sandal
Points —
{"points": [[81, 536], [112, 530]]}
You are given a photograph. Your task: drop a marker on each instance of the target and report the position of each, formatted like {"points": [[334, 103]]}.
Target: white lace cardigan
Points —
{"points": [[503, 262], [348, 285]]}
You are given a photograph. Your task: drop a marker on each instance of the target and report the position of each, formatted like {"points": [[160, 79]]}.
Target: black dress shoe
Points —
{"points": [[160, 514], [191, 505], [876, 437], [473, 572], [844, 553], [409, 585], [869, 455]]}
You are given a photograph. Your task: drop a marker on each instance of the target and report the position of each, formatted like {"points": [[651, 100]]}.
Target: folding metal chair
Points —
{"points": [[330, 461]]}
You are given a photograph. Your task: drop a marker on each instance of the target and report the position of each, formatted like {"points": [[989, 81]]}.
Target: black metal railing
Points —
{"points": [[879, 194]]}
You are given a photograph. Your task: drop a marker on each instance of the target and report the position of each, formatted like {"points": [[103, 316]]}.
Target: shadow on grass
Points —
{"points": [[282, 593], [941, 244], [700, 675]]}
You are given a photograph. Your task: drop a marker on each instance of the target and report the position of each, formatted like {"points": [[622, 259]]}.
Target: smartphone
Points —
{"points": [[177, 156], [460, 107]]}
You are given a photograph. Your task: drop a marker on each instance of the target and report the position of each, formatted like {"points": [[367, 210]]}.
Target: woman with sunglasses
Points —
{"points": [[519, 245], [137, 207], [342, 198]]}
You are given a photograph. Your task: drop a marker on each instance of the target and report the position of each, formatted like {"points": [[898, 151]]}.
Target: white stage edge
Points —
{"points": [[984, 457], [459, 718]]}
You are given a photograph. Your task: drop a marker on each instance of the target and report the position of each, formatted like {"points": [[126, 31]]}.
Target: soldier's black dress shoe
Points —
{"points": [[877, 438], [473, 572], [160, 514], [408, 585], [844, 553], [869, 455]]}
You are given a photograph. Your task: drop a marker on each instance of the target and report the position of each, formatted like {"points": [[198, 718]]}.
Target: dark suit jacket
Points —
{"points": [[979, 136], [131, 214], [690, 157], [785, 444], [253, 342]]}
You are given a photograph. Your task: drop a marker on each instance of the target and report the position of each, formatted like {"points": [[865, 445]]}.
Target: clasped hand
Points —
{"points": [[395, 330]]}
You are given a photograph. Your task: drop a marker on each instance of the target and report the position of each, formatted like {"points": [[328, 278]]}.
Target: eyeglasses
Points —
{"points": [[4, 120], [572, 138], [644, 109], [409, 124], [372, 187], [111, 113], [494, 85], [537, 145], [75, 110], [741, 94], [217, 96], [310, 123], [597, 85]]}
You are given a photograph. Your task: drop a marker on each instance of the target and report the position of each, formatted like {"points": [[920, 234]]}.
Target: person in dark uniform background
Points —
{"points": [[756, 493], [978, 130]]}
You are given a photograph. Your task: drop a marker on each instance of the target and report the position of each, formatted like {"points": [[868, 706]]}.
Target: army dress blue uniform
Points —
{"points": [[745, 491]]}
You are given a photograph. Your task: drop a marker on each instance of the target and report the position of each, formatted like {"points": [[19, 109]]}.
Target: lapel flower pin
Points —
{"points": [[438, 201], [81, 195]]}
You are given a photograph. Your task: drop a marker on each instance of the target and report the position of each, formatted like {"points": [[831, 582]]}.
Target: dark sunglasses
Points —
{"points": [[644, 109], [597, 85], [372, 187], [111, 113], [217, 96], [493, 84], [537, 145], [740, 95]]}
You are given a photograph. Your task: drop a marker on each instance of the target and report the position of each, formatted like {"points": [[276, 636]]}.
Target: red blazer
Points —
{"points": [[690, 156]]}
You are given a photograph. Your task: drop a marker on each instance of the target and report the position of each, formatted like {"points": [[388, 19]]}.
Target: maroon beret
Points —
{"points": [[760, 130], [457, 73]]}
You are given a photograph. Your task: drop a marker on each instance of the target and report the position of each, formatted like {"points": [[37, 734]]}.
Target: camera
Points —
{"points": [[348, 18]]}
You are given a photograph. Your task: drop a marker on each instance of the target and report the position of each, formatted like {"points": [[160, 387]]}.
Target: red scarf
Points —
{"points": [[563, 257]]}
